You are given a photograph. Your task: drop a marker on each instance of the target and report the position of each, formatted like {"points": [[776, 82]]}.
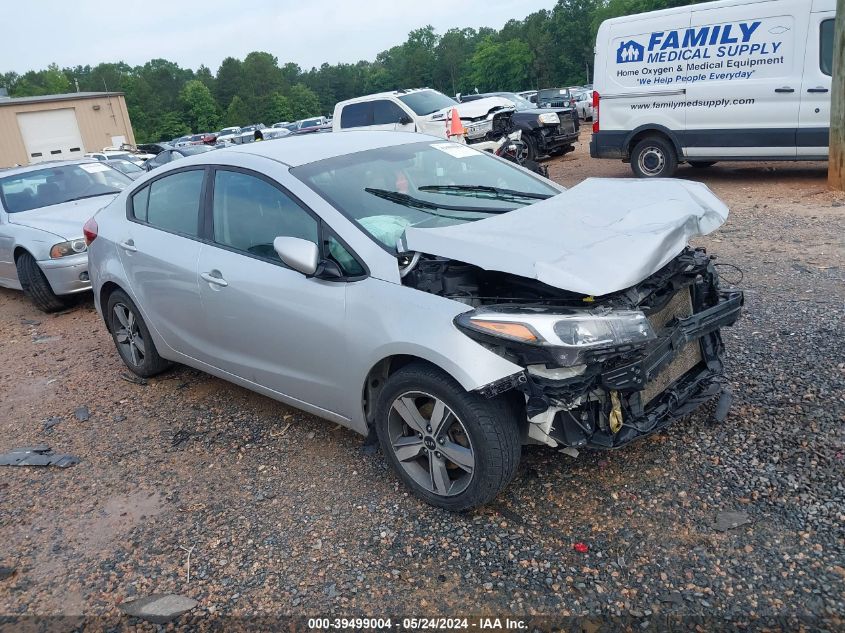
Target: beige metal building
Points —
{"points": [[56, 127]]}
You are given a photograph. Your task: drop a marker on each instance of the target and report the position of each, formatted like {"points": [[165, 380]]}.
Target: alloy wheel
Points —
{"points": [[129, 339], [431, 443]]}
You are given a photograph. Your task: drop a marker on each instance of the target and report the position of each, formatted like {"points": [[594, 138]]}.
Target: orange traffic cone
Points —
{"points": [[454, 126]]}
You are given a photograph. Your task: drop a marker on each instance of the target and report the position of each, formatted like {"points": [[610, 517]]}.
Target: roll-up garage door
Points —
{"points": [[51, 135]]}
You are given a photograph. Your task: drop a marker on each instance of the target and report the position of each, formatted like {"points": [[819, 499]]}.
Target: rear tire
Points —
{"points": [[654, 157], [701, 164], [132, 337], [462, 462], [35, 285]]}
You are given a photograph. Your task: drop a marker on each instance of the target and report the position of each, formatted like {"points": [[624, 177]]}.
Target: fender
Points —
{"points": [[670, 134]]}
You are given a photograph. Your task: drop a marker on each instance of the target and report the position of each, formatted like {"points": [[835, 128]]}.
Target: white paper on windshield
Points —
{"points": [[456, 150], [598, 237], [93, 168]]}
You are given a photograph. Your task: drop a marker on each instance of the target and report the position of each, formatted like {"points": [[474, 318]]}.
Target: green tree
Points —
{"points": [[303, 102], [500, 65], [228, 81], [170, 126], [261, 77], [198, 106], [237, 113], [280, 109]]}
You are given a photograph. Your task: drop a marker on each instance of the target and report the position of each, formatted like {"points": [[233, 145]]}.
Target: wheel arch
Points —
{"points": [[105, 292], [652, 129]]}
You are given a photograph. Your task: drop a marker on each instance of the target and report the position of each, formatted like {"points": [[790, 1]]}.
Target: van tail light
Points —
{"points": [[596, 99], [89, 230]]}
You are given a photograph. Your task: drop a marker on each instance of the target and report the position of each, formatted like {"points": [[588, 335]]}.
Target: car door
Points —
{"points": [[814, 121], [387, 115], [743, 98], [268, 323], [159, 250], [8, 272]]}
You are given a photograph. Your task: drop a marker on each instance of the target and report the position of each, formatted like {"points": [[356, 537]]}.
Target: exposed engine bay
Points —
{"points": [[600, 371]]}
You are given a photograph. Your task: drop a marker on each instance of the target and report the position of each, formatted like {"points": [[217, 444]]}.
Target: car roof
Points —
{"points": [[12, 171], [301, 150], [384, 95]]}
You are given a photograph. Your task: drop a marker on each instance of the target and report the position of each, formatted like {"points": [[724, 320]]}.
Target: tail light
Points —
{"points": [[596, 99], [89, 230]]}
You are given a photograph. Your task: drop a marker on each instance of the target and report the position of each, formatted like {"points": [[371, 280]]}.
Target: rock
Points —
{"points": [[119, 418], [311, 435], [49, 423], [7, 572], [331, 591], [838, 203], [158, 608], [82, 414], [729, 520]]}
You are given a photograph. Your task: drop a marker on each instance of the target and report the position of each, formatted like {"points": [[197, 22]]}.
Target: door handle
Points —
{"points": [[785, 89], [129, 245], [217, 280], [819, 89]]}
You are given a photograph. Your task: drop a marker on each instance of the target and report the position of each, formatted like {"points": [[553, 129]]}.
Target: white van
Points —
{"points": [[726, 80]]}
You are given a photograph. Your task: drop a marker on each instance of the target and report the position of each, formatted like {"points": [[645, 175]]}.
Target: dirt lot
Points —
{"points": [[289, 514]]}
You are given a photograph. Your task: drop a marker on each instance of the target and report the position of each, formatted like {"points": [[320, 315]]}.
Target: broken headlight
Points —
{"points": [[566, 334]]}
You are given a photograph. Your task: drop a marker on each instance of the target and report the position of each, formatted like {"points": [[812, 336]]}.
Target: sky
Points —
{"points": [[194, 32]]}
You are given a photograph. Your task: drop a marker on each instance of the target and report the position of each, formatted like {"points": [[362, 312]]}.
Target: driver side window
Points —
{"points": [[249, 213]]}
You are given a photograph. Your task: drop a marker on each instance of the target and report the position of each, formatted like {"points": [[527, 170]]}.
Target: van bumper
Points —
{"points": [[609, 145]]}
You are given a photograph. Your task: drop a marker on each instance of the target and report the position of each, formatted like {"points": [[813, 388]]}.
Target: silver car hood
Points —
{"points": [[64, 220], [598, 237]]}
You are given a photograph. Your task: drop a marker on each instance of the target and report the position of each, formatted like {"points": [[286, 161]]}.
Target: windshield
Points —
{"points": [[55, 185], [425, 184], [427, 101], [194, 149], [521, 103], [125, 166]]}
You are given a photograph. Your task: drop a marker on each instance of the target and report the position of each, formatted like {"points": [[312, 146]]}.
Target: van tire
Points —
{"points": [[487, 427], [701, 164], [35, 285], [654, 157]]}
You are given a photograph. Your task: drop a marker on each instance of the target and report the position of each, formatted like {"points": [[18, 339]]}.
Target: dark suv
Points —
{"points": [[551, 130]]}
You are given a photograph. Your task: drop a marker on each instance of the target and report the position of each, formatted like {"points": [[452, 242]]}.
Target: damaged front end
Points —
{"points": [[599, 371]]}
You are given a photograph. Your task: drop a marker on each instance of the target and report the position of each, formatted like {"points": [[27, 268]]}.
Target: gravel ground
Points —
{"points": [[287, 514]]}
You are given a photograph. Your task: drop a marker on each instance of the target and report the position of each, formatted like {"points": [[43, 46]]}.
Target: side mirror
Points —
{"points": [[299, 254], [405, 120]]}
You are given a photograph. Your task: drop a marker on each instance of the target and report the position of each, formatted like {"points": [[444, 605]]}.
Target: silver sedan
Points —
{"points": [[42, 210], [445, 301]]}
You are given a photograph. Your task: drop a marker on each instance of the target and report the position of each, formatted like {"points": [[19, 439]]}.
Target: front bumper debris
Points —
{"points": [[610, 406]]}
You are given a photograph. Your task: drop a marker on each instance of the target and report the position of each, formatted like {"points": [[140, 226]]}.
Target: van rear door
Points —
{"points": [[814, 120], [743, 98]]}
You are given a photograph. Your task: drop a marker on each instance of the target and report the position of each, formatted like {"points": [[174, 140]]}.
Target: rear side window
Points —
{"points": [[386, 112], [826, 47], [249, 213], [357, 115], [171, 203]]}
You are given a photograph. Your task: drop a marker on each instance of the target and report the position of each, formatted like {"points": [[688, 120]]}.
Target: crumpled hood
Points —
{"points": [[598, 237], [64, 220], [474, 109]]}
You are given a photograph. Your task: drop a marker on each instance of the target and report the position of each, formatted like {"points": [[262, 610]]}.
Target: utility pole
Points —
{"points": [[836, 164]]}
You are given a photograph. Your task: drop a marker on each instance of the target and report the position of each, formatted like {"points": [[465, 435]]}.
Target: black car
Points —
{"points": [[550, 131], [169, 155], [555, 98], [154, 148]]}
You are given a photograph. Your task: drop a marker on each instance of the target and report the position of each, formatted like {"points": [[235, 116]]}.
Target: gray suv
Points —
{"points": [[450, 303]]}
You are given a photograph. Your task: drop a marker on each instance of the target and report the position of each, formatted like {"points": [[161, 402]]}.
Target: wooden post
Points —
{"points": [[836, 166]]}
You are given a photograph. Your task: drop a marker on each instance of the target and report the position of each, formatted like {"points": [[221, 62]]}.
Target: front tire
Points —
{"points": [[35, 285], [531, 147], [654, 157], [132, 337], [454, 449]]}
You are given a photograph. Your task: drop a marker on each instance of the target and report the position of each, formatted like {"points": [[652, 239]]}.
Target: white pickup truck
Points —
{"points": [[485, 121]]}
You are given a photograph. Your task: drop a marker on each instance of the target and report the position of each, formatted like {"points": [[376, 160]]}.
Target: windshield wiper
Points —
{"points": [[409, 201], [92, 195], [485, 191]]}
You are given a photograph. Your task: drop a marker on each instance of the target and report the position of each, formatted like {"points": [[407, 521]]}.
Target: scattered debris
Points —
{"points": [[723, 406], [7, 572], [137, 380], [158, 608], [49, 423], [39, 455], [44, 338], [82, 414], [30, 322], [189, 550], [581, 548], [572, 452], [729, 520]]}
